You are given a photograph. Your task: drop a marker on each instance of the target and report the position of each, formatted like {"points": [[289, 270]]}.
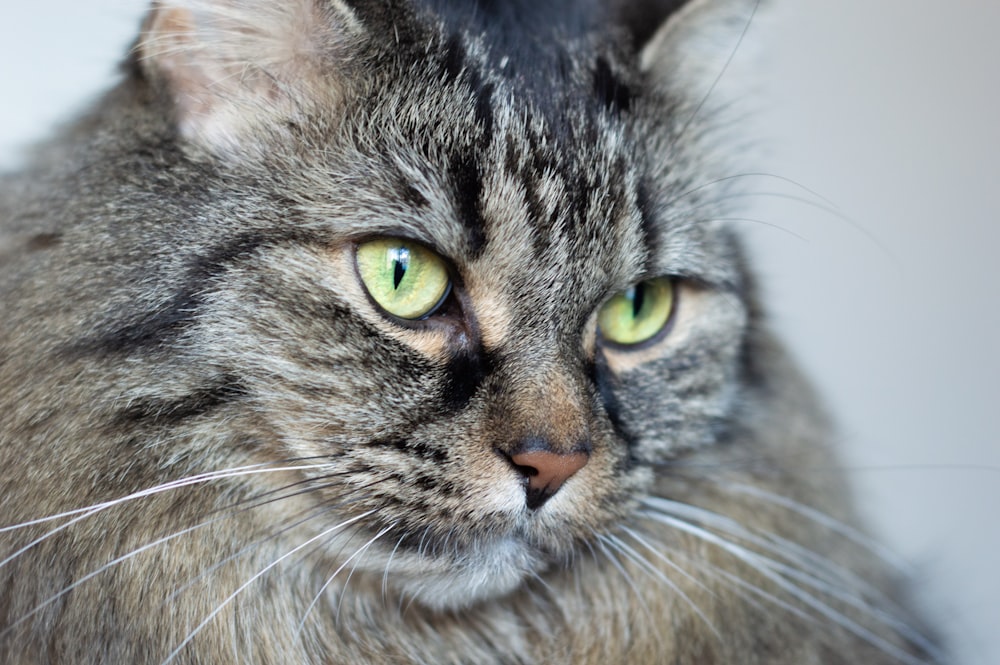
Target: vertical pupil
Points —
{"points": [[400, 262], [638, 295]]}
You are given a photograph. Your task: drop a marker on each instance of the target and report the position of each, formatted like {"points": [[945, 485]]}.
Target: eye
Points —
{"points": [[405, 278], [638, 313]]}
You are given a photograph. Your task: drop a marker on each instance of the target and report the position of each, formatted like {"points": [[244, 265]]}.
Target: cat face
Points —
{"points": [[538, 213], [411, 331]]}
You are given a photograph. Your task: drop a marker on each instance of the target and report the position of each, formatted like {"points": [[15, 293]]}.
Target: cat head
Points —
{"points": [[479, 284]]}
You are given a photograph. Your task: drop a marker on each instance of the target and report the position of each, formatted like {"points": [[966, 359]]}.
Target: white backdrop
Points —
{"points": [[886, 287]]}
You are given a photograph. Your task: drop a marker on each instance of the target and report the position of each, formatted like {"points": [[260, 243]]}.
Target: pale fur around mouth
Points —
{"points": [[480, 574]]}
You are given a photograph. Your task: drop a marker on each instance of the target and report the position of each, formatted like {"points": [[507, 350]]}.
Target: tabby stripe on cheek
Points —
{"points": [[410, 447], [752, 372], [466, 371], [156, 327], [602, 378], [173, 411]]}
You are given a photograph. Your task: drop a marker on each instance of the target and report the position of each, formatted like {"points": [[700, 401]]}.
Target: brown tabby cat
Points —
{"points": [[407, 331]]}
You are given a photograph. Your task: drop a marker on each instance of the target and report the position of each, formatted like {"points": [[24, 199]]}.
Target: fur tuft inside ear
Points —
{"points": [[232, 65]]}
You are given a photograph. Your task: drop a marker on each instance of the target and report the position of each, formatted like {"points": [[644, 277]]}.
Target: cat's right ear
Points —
{"points": [[235, 69]]}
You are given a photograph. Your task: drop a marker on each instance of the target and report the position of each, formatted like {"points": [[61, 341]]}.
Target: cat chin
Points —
{"points": [[480, 575]]}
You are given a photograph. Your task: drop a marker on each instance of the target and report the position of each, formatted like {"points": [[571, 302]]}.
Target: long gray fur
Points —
{"points": [[179, 299]]}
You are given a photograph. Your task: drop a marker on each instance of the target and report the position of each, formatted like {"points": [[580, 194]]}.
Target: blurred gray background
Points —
{"points": [[879, 124]]}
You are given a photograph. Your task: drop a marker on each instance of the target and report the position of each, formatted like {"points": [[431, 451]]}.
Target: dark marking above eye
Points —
{"points": [[468, 186], [414, 196], [615, 95]]}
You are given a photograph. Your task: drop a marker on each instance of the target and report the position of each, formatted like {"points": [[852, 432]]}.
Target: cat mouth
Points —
{"points": [[442, 572], [475, 575], [463, 559]]}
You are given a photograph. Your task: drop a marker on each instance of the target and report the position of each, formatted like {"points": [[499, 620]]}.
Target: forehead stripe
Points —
{"points": [[467, 181]]}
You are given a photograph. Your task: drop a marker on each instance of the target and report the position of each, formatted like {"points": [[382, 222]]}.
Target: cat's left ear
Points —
{"points": [[683, 43], [236, 68]]}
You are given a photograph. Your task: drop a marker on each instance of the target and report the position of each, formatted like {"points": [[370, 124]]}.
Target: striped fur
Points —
{"points": [[214, 447]]}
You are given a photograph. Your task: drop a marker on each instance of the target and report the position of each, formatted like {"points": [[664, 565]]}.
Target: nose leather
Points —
{"points": [[545, 472]]}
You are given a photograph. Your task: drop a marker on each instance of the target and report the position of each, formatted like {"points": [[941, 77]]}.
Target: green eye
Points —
{"points": [[637, 313], [404, 278]]}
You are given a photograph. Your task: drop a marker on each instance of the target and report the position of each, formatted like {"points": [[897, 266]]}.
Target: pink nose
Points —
{"points": [[545, 472]]}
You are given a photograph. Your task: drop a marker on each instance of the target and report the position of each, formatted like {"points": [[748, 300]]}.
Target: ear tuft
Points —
{"points": [[232, 66]]}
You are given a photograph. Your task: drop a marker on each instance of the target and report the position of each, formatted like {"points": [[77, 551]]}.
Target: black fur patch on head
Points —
{"points": [[522, 38], [454, 57], [458, 67], [484, 109], [522, 30], [615, 96]]}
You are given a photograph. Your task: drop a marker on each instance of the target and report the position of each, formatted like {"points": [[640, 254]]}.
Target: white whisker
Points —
{"points": [[604, 543], [191, 635], [205, 572], [388, 564], [200, 478], [744, 587], [790, 552], [827, 522], [760, 564], [844, 596], [404, 608], [715, 83], [125, 557], [726, 180], [542, 582], [90, 511], [658, 574], [659, 555], [329, 580], [715, 571]]}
